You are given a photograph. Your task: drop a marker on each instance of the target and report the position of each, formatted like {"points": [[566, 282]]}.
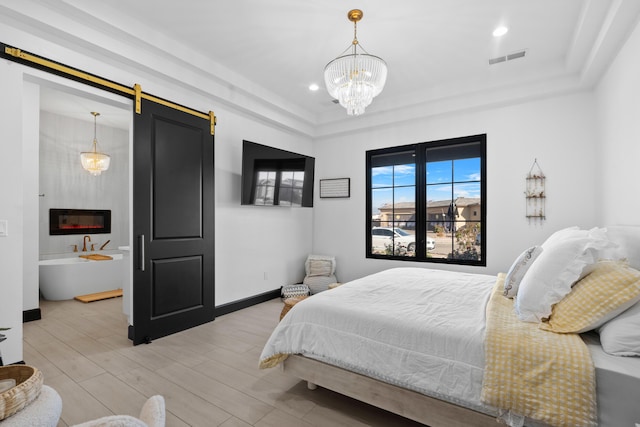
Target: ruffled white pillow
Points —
{"points": [[518, 270], [566, 257]]}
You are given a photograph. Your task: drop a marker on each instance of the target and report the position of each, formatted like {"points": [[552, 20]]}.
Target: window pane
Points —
{"points": [[393, 197], [466, 189], [381, 241], [404, 238], [404, 175], [381, 202], [438, 211], [382, 177], [439, 193], [430, 243], [442, 241], [465, 241], [439, 172], [405, 195], [466, 170]]}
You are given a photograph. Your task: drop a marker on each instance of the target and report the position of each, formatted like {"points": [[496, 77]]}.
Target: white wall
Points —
{"points": [[66, 185], [560, 132], [618, 101], [254, 240], [11, 210]]}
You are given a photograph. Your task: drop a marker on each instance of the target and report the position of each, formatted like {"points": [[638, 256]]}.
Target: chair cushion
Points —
{"points": [[320, 265], [319, 283]]}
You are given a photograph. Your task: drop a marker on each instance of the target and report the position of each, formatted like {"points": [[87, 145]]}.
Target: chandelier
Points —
{"points": [[355, 78], [93, 161]]}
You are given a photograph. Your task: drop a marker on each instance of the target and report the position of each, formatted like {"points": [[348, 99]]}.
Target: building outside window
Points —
{"points": [[426, 202]]}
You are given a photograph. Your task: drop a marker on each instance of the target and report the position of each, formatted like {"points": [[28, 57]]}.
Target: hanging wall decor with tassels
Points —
{"points": [[535, 193]]}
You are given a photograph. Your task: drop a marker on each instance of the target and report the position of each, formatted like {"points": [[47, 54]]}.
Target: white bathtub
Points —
{"points": [[68, 275]]}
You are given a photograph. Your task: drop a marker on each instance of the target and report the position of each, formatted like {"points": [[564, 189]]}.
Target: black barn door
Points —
{"points": [[173, 224]]}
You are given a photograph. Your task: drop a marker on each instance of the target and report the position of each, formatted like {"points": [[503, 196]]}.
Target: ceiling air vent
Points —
{"points": [[509, 57]]}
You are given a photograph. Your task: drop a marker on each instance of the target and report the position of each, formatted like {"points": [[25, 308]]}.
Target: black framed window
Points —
{"points": [[426, 201]]}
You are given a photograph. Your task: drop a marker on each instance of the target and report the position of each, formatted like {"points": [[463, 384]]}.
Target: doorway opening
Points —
{"points": [[66, 128]]}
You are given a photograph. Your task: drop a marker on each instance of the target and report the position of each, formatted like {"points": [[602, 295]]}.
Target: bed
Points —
{"points": [[412, 341]]}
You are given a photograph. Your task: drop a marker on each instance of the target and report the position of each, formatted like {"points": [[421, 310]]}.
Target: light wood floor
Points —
{"points": [[208, 375]]}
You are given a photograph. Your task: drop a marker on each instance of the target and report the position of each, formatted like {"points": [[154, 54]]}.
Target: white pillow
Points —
{"points": [[620, 336], [518, 270], [565, 259], [310, 258], [562, 234]]}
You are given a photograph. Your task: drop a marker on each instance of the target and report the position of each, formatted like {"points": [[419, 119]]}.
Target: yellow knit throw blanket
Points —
{"points": [[539, 374]]}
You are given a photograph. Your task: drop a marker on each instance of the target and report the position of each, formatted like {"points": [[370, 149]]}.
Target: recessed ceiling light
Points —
{"points": [[500, 31], [313, 87]]}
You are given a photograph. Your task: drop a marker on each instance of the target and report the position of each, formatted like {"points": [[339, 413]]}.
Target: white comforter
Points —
{"points": [[417, 328]]}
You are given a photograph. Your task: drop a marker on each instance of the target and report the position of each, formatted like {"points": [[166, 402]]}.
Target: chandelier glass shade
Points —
{"points": [[354, 79], [93, 161]]}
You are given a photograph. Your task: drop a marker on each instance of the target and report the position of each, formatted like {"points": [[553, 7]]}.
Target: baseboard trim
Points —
{"points": [[246, 302], [230, 307], [31, 315]]}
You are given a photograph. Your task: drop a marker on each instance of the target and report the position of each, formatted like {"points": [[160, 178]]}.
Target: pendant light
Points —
{"points": [[93, 161], [354, 79]]}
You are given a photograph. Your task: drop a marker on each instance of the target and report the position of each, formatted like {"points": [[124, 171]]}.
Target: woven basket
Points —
{"points": [[289, 303], [28, 385]]}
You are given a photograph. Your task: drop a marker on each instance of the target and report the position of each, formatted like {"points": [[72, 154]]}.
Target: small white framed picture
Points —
{"points": [[335, 188]]}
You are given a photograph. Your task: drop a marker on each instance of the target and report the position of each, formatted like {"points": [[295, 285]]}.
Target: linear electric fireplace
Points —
{"points": [[79, 221]]}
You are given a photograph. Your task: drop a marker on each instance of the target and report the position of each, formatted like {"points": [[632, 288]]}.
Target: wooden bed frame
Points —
{"points": [[407, 403]]}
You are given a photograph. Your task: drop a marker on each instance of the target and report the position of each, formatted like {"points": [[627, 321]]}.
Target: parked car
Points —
{"points": [[384, 236]]}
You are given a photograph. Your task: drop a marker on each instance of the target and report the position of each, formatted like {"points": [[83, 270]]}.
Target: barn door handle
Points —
{"points": [[142, 252]]}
